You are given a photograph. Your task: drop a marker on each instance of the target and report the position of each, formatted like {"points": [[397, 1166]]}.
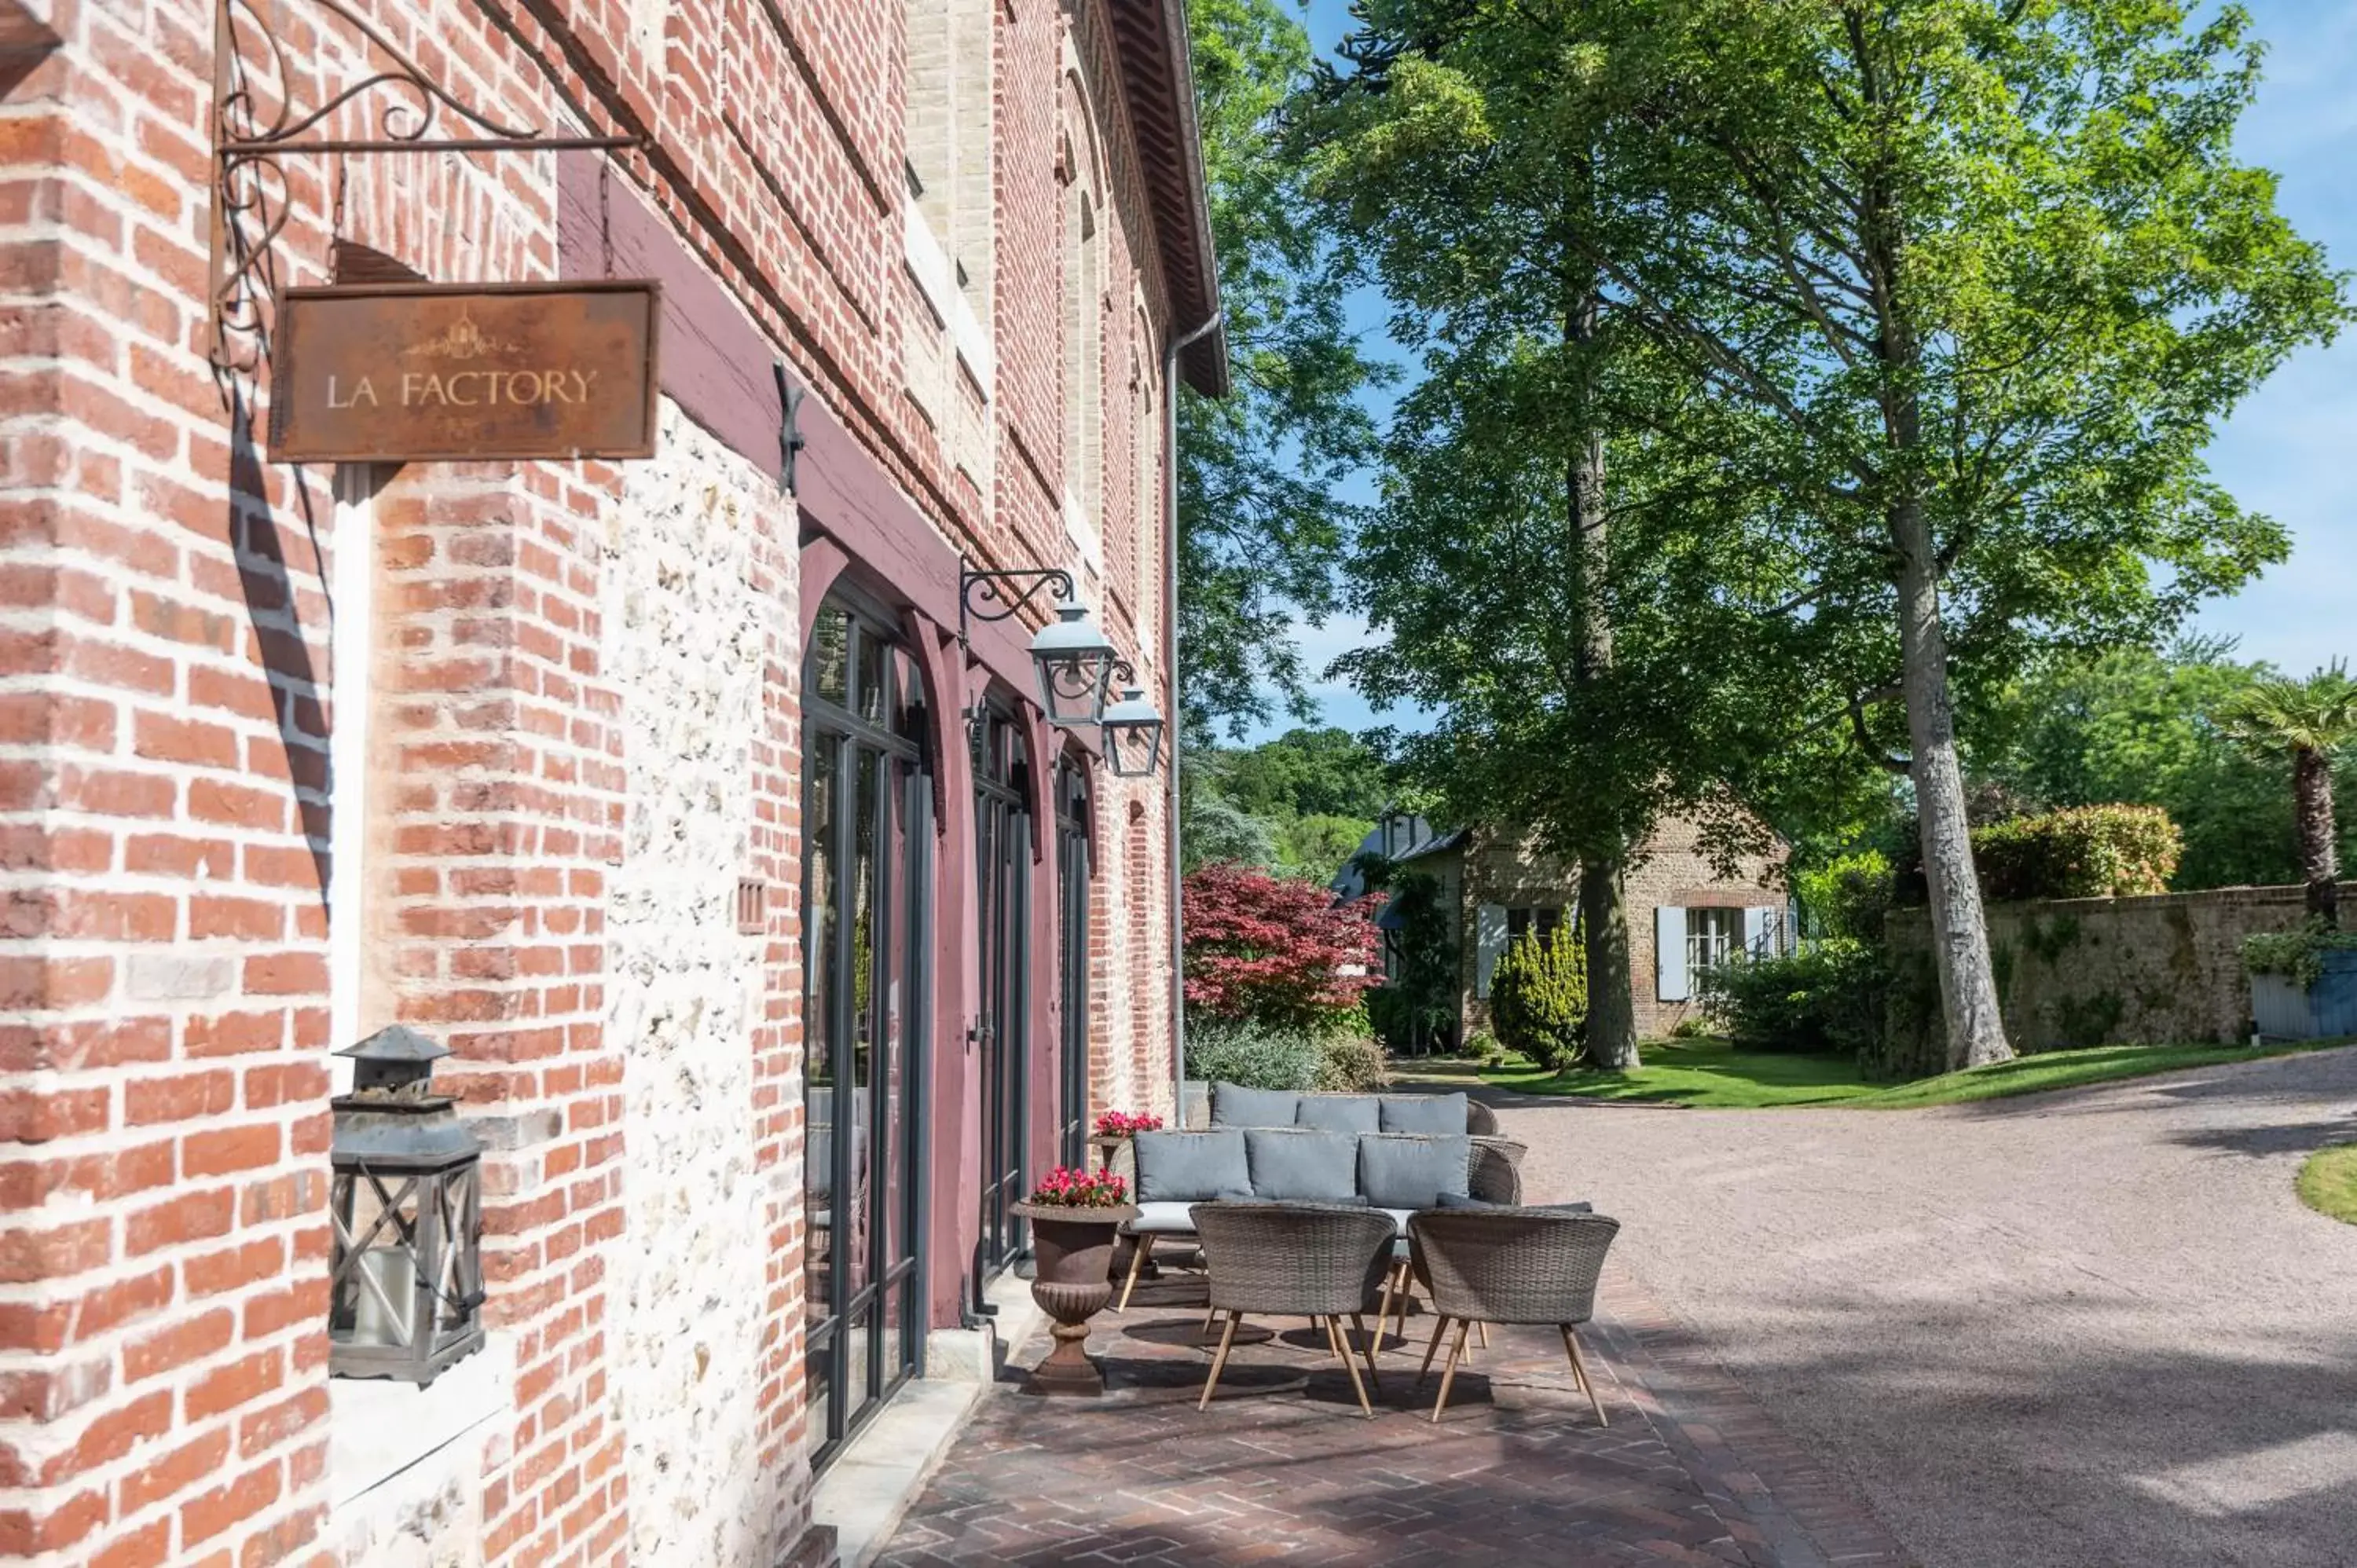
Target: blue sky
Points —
{"points": [[2288, 450]]}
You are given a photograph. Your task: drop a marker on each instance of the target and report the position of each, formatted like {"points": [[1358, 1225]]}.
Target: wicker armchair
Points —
{"points": [[1314, 1260], [1495, 1177], [1516, 1266]]}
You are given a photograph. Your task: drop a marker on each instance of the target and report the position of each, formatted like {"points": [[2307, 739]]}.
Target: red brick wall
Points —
{"points": [[166, 695]]}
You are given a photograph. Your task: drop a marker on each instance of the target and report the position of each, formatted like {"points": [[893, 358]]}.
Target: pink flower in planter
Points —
{"points": [[1066, 1188]]}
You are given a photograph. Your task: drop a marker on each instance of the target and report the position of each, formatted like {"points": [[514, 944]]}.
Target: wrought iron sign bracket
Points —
{"points": [[250, 205], [791, 439]]}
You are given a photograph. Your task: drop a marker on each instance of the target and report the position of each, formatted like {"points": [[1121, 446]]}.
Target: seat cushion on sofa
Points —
{"points": [[1303, 1165], [1164, 1219], [1439, 1114], [1339, 1113], [1399, 1170], [1450, 1200], [1233, 1105], [1190, 1167], [1399, 1218]]}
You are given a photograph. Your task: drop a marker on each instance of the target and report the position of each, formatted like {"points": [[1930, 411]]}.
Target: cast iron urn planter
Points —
{"points": [[406, 1201], [1072, 1248]]}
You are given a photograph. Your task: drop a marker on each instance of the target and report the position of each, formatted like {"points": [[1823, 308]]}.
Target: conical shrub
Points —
{"points": [[1538, 996]]}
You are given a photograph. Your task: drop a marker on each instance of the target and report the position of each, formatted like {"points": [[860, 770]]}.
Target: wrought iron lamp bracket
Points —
{"points": [[1011, 592], [251, 192], [985, 595]]}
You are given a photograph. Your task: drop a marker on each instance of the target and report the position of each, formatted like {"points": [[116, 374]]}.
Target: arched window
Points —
{"points": [[867, 877]]}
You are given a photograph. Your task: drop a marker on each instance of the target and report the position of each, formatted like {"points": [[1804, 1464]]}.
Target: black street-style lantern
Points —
{"points": [[406, 1286], [1133, 735]]}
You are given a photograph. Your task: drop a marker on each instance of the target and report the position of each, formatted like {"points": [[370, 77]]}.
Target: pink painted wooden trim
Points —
{"points": [[823, 561]]}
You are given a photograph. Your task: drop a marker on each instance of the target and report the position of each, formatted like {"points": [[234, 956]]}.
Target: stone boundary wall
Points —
{"points": [[2166, 969]]}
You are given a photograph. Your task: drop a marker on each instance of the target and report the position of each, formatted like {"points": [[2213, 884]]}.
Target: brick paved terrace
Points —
{"points": [[1282, 1467]]}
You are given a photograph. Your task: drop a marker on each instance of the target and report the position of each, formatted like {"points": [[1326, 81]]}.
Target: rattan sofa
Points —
{"points": [[1488, 1175], [1220, 1108]]}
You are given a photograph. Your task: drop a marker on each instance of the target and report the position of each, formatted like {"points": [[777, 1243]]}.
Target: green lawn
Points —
{"points": [[1711, 1073], [2327, 1183]]}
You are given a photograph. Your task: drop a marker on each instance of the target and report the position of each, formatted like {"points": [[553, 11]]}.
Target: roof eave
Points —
{"points": [[1173, 149]]}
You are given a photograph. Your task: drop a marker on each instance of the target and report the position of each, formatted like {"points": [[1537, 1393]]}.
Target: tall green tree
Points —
{"points": [[1260, 528], [2308, 723], [1554, 577], [2141, 726], [1974, 280], [1307, 772]]}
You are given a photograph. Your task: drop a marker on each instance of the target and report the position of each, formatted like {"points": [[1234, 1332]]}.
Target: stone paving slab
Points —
{"points": [[1283, 1468]]}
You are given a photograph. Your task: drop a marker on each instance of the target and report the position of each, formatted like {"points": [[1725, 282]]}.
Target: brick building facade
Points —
{"points": [[1683, 913], [644, 786]]}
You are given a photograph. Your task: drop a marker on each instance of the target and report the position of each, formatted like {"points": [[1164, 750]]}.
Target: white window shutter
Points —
{"points": [[1669, 954], [1760, 933], [1488, 942]]}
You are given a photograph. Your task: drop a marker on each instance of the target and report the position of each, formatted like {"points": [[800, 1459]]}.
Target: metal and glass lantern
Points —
{"points": [[1133, 735], [406, 1286], [1075, 663]]}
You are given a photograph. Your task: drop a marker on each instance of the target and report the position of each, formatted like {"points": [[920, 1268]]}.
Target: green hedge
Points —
{"points": [[1264, 1056], [2087, 852], [1257, 1056], [1825, 999]]}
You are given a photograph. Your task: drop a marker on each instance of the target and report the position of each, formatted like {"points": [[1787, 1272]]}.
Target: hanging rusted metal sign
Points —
{"points": [[416, 372]]}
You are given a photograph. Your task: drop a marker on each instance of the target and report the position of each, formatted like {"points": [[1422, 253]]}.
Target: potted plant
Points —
{"points": [[2303, 982], [1075, 1217], [1115, 1128]]}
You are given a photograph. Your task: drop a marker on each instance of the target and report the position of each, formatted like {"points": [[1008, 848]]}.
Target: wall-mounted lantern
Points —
{"points": [[1070, 657], [406, 1279], [1133, 733], [1075, 663]]}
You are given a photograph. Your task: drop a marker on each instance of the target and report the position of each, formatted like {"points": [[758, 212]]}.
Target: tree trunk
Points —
{"points": [[2319, 856], [1603, 902], [1611, 1000], [1959, 933]]}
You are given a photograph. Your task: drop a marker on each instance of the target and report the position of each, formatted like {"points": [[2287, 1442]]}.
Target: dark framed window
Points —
{"points": [[868, 835], [1072, 954], [1540, 917], [1002, 811]]}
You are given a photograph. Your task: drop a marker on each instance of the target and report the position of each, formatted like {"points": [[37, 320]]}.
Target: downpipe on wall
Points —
{"points": [[1178, 713]]}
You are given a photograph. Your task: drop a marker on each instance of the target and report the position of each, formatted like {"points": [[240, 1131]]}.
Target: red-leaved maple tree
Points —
{"points": [[1273, 950]]}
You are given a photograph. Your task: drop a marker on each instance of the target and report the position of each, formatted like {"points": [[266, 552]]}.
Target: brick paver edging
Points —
{"points": [[1283, 1468], [1807, 1512]]}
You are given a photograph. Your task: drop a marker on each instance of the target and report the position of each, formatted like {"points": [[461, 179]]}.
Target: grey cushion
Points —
{"points": [[1340, 1113], [1396, 1171], [1436, 1114], [1451, 1200], [1233, 1105], [1188, 1167], [1399, 1218], [1303, 1165], [1164, 1219]]}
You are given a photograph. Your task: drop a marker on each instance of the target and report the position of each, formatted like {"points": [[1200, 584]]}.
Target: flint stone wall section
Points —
{"points": [[687, 635], [2070, 972]]}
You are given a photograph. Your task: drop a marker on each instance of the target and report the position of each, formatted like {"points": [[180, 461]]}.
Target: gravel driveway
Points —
{"points": [[2070, 1329]]}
